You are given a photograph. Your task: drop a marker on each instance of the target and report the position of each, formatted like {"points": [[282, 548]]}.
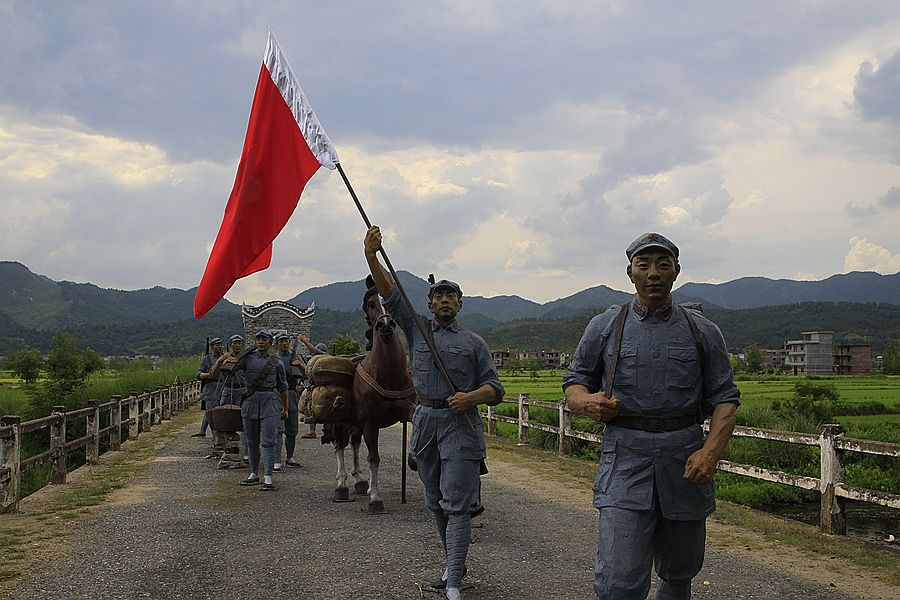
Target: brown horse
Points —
{"points": [[383, 395]]}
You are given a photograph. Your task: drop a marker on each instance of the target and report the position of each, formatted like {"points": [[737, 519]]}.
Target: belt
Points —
{"points": [[265, 389], [654, 424], [431, 402], [234, 387]]}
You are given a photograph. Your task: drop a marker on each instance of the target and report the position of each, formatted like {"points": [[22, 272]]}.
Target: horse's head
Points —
{"points": [[381, 321]]}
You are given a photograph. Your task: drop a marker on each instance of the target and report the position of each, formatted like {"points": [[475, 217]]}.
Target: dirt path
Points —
{"points": [[181, 529]]}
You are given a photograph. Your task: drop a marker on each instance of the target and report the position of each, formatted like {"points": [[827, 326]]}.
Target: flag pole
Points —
{"points": [[428, 340]]}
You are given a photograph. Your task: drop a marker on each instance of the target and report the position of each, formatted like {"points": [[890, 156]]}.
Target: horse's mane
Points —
{"points": [[371, 290]]}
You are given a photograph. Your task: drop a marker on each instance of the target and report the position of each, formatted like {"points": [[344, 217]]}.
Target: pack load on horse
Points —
{"points": [[358, 395]]}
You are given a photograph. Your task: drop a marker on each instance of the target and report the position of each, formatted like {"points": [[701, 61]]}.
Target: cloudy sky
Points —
{"points": [[515, 147]]}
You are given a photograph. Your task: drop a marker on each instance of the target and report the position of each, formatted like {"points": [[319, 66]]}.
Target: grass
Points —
{"points": [[875, 394], [120, 379]]}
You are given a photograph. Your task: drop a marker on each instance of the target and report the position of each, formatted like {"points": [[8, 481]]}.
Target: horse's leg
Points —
{"points": [[370, 431], [341, 493], [361, 486]]}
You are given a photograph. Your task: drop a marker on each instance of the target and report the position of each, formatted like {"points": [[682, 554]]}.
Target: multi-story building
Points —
{"points": [[853, 359], [811, 355], [552, 359], [773, 359]]}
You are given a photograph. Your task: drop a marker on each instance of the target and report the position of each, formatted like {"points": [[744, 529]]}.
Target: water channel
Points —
{"points": [[870, 522]]}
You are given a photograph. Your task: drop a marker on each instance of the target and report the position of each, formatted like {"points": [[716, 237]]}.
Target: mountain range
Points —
{"points": [[32, 306]]}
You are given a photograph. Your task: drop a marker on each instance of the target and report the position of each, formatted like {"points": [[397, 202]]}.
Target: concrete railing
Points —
{"points": [[143, 410], [832, 444]]}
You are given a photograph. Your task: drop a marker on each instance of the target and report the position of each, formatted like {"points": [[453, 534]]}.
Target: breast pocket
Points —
{"points": [[421, 357], [682, 369], [459, 360], [626, 369]]}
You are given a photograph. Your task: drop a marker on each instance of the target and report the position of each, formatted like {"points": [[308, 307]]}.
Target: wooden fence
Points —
{"points": [[143, 410], [831, 442]]}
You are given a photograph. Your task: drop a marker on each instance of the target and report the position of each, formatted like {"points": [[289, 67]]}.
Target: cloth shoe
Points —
{"points": [[309, 435]]}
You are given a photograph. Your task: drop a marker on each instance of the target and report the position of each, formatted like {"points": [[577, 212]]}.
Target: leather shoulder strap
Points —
{"points": [[617, 348]]}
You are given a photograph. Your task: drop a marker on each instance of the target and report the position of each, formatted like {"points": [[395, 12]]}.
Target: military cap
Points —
{"points": [[651, 240], [215, 340], [265, 334], [282, 336], [236, 338], [321, 347], [444, 284]]}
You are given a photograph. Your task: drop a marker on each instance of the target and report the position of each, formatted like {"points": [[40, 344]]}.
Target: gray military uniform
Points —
{"points": [[448, 447], [207, 386], [261, 411], [290, 428], [640, 489]]}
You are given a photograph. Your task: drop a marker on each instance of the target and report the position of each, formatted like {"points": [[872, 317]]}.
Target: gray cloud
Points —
{"points": [[888, 201], [647, 93], [877, 89]]}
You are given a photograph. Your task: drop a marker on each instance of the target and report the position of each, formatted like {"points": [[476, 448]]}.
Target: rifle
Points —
{"points": [[228, 367], [299, 373], [207, 344]]}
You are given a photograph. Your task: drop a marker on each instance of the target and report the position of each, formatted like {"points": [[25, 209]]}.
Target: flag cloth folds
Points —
{"points": [[284, 147]]}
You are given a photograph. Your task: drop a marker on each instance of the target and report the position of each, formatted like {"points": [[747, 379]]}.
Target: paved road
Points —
{"points": [[194, 533]]}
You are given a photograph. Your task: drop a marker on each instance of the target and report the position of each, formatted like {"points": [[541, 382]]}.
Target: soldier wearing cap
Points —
{"points": [[208, 383], [447, 437], [232, 385], [288, 430], [653, 371], [265, 404]]}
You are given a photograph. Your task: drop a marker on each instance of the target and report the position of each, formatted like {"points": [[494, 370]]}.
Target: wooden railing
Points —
{"points": [[143, 409], [832, 444]]}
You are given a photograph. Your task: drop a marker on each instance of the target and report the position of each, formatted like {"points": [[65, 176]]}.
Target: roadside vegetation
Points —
{"points": [[867, 407]]}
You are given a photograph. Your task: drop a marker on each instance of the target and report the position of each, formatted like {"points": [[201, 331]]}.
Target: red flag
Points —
{"points": [[284, 147]]}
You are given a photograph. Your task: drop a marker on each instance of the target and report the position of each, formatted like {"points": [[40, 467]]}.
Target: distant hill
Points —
{"points": [[768, 326], [37, 302], [753, 292], [160, 320]]}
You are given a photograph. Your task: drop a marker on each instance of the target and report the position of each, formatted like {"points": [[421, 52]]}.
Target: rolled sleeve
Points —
{"points": [[395, 305], [586, 367], [718, 378], [280, 377], [487, 374], [205, 366]]}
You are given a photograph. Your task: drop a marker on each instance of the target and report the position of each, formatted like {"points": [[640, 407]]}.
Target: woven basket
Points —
{"points": [[226, 418]]}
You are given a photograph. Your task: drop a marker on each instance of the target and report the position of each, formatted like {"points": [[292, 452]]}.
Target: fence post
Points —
{"points": [[565, 424], [10, 461], [169, 409], [115, 423], [491, 423], [58, 464], [134, 418], [153, 402], [92, 428], [147, 397], [523, 418], [832, 518]]}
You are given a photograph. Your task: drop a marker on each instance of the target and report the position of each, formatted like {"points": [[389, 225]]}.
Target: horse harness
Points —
{"points": [[393, 394]]}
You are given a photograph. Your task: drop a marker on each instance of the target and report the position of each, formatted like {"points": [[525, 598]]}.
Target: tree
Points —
{"points": [[533, 366], [754, 359], [65, 376], [343, 344], [27, 364], [93, 362], [737, 365], [513, 365], [891, 357]]}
